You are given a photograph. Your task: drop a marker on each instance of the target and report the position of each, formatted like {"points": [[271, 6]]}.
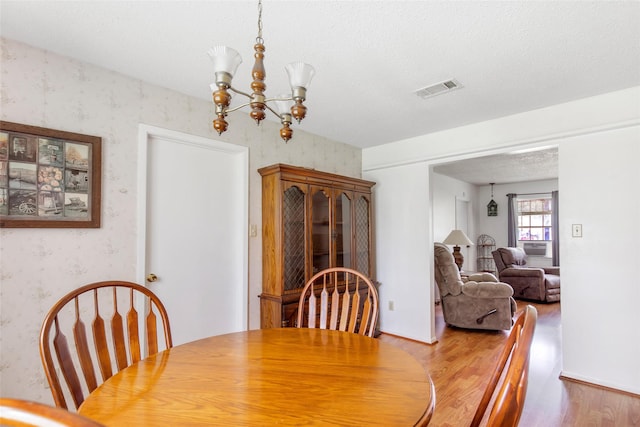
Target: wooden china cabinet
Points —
{"points": [[311, 221]]}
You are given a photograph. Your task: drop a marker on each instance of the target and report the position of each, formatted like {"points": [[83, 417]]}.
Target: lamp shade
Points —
{"points": [[225, 59], [283, 105], [300, 74], [457, 238]]}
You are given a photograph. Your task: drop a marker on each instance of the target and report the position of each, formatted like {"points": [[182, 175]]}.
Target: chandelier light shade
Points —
{"points": [[457, 238], [284, 105], [300, 74], [225, 60], [225, 63]]}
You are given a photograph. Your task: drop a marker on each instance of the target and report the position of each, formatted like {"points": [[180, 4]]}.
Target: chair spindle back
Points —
{"points": [[111, 345], [339, 299]]}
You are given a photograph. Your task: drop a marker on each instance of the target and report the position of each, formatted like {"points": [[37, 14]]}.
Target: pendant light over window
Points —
{"points": [[492, 207]]}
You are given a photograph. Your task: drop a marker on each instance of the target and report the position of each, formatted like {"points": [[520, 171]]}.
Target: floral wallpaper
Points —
{"points": [[38, 266]]}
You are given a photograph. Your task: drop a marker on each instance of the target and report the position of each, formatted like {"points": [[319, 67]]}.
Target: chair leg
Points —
{"points": [[480, 319]]}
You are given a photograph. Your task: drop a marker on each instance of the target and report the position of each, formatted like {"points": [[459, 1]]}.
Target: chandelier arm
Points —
{"points": [[272, 110], [231, 110], [239, 92], [288, 98]]}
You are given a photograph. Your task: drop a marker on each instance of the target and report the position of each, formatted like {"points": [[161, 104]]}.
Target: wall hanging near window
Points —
{"points": [[492, 207], [48, 178]]}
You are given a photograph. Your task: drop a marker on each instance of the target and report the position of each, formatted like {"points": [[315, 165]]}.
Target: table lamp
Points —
{"points": [[457, 238]]}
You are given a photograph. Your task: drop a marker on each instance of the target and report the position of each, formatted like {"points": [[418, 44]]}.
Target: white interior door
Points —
{"points": [[193, 230]]}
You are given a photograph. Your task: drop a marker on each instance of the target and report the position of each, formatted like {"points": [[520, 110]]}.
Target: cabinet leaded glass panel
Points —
{"points": [[343, 231], [293, 213], [320, 233], [362, 235]]}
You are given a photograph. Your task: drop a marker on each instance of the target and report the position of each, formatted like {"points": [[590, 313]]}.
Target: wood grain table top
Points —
{"points": [[285, 376]]}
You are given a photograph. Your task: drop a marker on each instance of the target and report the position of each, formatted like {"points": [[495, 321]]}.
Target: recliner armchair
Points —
{"points": [[530, 283], [480, 303]]}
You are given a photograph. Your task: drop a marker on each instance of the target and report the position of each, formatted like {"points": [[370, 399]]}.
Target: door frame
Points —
{"points": [[465, 155], [145, 133]]}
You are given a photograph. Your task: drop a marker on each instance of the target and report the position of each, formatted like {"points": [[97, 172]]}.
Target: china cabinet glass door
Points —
{"points": [[320, 230], [294, 231], [362, 235], [343, 231]]}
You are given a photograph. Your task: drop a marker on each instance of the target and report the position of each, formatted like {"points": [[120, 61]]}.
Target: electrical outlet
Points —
{"points": [[576, 230], [253, 230], [391, 306]]}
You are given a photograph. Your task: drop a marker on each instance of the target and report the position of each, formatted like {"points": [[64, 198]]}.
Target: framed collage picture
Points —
{"points": [[49, 178]]}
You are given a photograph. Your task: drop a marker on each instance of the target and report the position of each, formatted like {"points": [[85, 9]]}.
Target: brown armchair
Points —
{"points": [[480, 303], [530, 283]]}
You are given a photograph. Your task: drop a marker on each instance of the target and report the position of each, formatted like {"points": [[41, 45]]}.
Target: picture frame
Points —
{"points": [[49, 178]]}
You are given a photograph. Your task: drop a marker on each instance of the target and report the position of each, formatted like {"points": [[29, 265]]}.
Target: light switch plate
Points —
{"points": [[576, 230]]}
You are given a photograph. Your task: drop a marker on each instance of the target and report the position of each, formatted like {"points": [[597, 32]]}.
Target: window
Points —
{"points": [[534, 219]]}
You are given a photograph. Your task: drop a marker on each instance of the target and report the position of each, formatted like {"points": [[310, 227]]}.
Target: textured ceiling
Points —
{"points": [[504, 168], [370, 56]]}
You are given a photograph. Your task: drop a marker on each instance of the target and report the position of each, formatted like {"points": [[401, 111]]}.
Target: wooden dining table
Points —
{"points": [[280, 376]]}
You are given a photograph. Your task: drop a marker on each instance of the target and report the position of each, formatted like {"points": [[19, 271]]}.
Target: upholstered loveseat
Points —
{"points": [[530, 283], [480, 303]]}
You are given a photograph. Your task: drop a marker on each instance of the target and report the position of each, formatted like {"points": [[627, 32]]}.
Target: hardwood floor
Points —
{"points": [[461, 362]]}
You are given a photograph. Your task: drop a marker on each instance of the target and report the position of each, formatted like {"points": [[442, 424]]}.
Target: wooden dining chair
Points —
{"points": [[24, 413], [431, 407], [111, 346], [513, 369], [340, 299]]}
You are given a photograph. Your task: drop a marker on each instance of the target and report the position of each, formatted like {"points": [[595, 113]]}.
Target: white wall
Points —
{"points": [[599, 182], [533, 128], [38, 266], [446, 191], [402, 200], [597, 136]]}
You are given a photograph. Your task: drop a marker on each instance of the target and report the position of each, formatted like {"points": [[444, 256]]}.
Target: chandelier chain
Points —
{"points": [[259, 39]]}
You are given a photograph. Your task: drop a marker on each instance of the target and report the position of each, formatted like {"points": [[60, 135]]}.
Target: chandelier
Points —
{"points": [[225, 63]]}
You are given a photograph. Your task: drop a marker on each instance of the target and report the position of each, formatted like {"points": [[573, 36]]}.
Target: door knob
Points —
{"points": [[151, 277]]}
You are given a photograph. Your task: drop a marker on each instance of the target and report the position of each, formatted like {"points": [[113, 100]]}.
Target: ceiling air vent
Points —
{"points": [[438, 88]]}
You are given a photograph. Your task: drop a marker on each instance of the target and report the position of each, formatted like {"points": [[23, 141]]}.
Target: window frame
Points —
{"points": [[544, 209]]}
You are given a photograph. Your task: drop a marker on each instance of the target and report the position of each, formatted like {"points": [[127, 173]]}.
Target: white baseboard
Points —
{"points": [[627, 388]]}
